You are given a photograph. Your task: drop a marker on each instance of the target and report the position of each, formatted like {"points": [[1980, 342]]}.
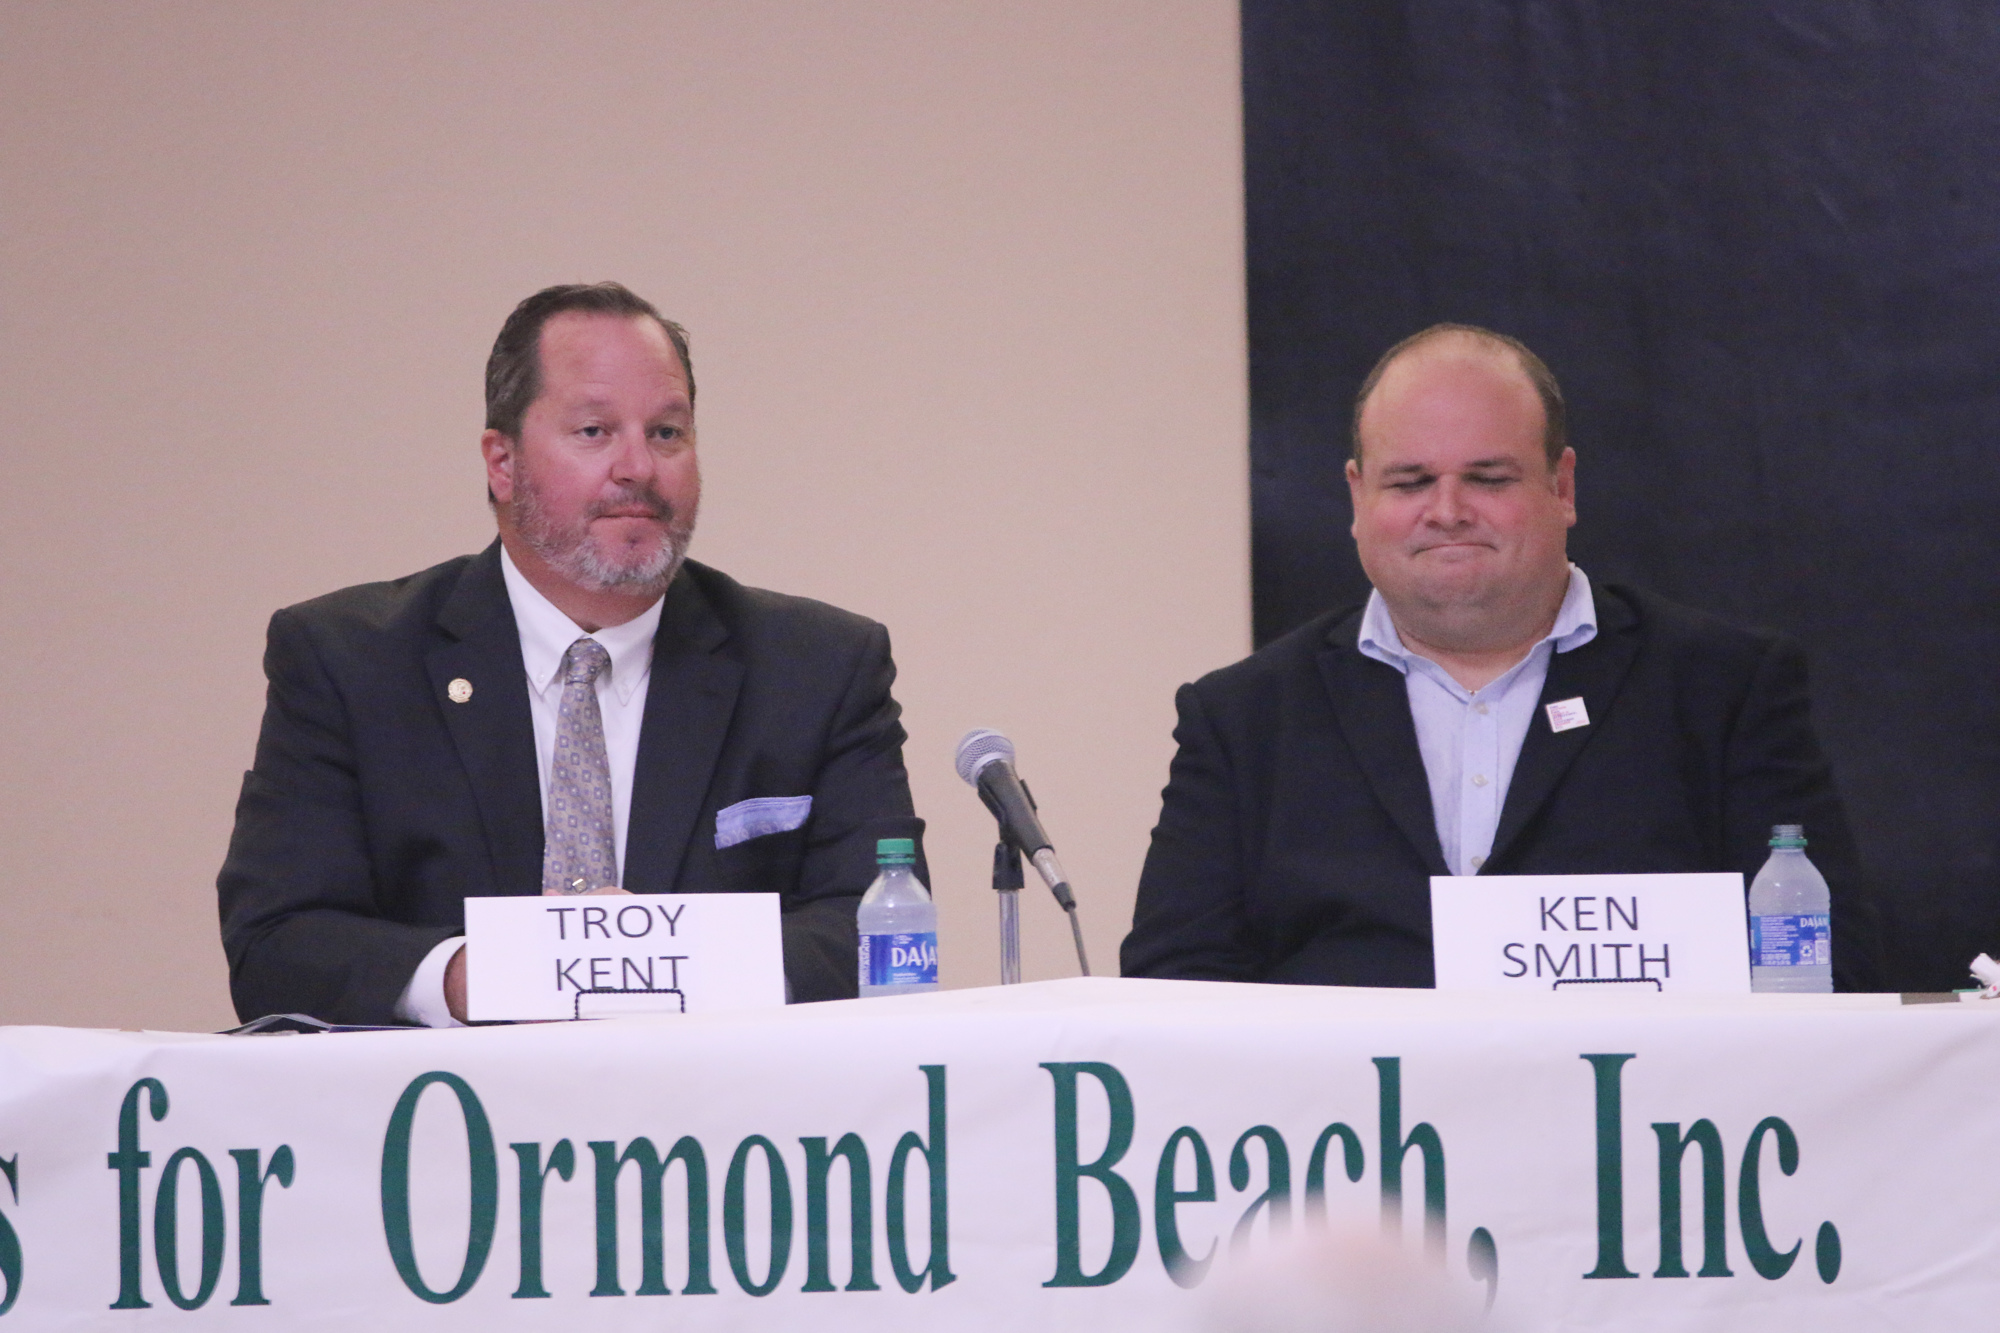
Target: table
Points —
{"points": [[1086, 1154]]}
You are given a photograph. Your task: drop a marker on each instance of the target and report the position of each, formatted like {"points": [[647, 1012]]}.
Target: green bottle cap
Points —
{"points": [[1788, 835], [895, 851]]}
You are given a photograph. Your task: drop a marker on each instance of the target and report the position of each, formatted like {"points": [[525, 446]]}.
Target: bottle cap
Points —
{"points": [[895, 851], [1788, 835]]}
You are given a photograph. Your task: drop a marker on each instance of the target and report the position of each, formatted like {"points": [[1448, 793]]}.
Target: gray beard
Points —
{"points": [[572, 553]]}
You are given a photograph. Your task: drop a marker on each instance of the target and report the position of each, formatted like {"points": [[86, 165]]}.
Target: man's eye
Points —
{"points": [[1413, 484], [591, 432], [666, 432], [1491, 481]]}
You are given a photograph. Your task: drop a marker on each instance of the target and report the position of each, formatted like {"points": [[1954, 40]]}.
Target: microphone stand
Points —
{"points": [[1007, 882]]}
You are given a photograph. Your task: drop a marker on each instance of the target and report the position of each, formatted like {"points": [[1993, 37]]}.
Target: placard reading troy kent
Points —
{"points": [[550, 957], [1590, 932]]}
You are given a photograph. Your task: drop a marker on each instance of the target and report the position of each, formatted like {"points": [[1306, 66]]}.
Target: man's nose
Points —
{"points": [[632, 460], [1448, 507]]}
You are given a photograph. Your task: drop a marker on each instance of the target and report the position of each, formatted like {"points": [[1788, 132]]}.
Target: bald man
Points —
{"points": [[1322, 782]]}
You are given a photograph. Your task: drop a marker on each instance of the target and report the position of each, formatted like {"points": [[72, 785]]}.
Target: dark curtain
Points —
{"points": [[1759, 243]]}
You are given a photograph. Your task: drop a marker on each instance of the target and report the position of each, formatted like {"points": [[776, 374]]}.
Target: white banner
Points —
{"points": [[1068, 1155]]}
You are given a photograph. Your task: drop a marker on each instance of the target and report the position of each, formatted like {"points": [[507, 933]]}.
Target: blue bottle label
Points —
{"points": [[1791, 941], [899, 960]]}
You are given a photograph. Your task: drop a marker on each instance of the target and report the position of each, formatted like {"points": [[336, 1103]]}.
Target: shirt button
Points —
{"points": [[1479, 709], [1478, 861], [1479, 779]]}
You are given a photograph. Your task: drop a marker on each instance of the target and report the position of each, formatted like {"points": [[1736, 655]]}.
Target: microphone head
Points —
{"points": [[980, 747]]}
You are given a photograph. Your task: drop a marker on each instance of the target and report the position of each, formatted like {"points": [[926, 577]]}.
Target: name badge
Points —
{"points": [[594, 956], [1590, 933], [1568, 714]]}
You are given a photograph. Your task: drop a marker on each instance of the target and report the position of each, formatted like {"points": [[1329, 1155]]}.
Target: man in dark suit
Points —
{"points": [[1486, 712], [576, 709]]}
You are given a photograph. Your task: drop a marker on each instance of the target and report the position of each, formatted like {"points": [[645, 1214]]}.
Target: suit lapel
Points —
{"points": [[690, 699], [1593, 673], [1373, 708], [492, 730]]}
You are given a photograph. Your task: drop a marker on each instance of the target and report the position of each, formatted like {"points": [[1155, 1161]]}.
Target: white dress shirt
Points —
{"points": [[546, 634], [1471, 739]]}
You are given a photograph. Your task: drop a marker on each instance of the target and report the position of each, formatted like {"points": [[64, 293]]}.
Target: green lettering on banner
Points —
{"points": [[1482, 1261], [1394, 1148], [733, 1238], [652, 1205], [938, 1266], [533, 1179], [485, 1190], [1183, 1268], [1070, 1173], [128, 1161], [1608, 1071], [860, 1214], [166, 1229], [1826, 1254], [250, 1181], [1764, 1257], [652, 1208], [1351, 1163], [1277, 1195], [10, 1244], [1714, 1235]]}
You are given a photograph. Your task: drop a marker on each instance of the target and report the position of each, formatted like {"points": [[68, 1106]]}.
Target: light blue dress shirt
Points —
{"points": [[1471, 740]]}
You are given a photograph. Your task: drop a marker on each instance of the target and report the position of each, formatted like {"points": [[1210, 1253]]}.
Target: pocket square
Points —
{"points": [[759, 816]]}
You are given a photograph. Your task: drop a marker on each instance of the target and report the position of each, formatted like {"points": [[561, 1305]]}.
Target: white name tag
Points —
{"points": [[591, 956], [1568, 714], [1590, 933]]}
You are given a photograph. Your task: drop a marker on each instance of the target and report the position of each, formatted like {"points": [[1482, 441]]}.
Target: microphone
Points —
{"points": [[985, 759]]}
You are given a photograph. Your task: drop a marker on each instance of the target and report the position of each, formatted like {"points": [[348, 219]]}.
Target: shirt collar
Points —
{"points": [[546, 634], [1576, 625]]}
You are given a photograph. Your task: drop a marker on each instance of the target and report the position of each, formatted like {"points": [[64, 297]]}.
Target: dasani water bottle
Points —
{"points": [[898, 925], [1791, 920]]}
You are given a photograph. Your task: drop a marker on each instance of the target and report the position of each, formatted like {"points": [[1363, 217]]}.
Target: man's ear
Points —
{"points": [[1354, 491], [1566, 483], [498, 450]]}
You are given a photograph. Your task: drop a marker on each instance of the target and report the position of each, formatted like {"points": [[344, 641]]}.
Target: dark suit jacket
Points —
{"points": [[377, 805], [1296, 840]]}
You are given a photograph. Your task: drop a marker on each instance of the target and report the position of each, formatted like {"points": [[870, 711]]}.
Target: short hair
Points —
{"points": [[514, 370], [1555, 418]]}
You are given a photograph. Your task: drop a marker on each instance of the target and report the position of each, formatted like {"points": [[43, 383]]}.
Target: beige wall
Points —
{"points": [[965, 285]]}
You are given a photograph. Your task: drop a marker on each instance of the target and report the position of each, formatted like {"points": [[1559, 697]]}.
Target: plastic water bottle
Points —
{"points": [[1791, 920], [898, 925]]}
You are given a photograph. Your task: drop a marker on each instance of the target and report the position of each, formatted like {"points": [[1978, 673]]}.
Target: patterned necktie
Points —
{"points": [[579, 854]]}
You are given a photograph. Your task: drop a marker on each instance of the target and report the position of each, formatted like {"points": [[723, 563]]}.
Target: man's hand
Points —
{"points": [[454, 971], [454, 984]]}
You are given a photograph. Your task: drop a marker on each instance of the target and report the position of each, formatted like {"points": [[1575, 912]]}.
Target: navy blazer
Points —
{"points": [[1296, 840], [377, 805]]}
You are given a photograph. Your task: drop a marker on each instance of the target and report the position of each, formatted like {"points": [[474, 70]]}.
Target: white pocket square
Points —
{"points": [[758, 816]]}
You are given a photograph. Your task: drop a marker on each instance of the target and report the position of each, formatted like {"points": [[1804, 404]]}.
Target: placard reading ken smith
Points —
{"points": [[692, 953], [1590, 933]]}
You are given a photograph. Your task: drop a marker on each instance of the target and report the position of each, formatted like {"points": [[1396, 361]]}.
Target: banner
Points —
{"points": [[1084, 1154]]}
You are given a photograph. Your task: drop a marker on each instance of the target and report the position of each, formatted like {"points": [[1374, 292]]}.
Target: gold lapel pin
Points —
{"points": [[459, 690]]}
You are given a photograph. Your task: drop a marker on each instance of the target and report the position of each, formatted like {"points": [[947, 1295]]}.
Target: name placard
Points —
{"points": [[1587, 933], [593, 956]]}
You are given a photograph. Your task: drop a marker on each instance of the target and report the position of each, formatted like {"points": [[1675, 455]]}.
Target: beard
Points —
{"points": [[575, 553]]}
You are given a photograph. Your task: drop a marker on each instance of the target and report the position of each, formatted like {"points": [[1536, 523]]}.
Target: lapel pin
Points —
{"points": [[1568, 714], [461, 689]]}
